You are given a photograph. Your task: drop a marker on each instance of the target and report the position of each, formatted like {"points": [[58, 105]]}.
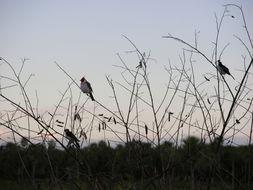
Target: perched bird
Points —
{"points": [[86, 88], [72, 138], [223, 69]]}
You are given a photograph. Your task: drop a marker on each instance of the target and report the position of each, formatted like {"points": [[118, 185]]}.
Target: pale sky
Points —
{"points": [[85, 36]]}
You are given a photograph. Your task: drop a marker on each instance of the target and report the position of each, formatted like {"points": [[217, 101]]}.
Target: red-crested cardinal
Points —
{"points": [[86, 88]]}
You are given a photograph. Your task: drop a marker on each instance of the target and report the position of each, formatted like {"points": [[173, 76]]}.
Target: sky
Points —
{"points": [[85, 36]]}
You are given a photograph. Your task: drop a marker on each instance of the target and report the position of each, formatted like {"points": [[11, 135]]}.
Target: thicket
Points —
{"points": [[128, 165]]}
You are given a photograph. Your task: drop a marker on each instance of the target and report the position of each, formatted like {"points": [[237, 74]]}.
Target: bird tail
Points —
{"points": [[232, 76], [91, 96], [77, 144]]}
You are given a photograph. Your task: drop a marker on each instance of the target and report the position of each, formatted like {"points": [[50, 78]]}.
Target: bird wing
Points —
{"points": [[72, 136], [88, 84], [225, 69]]}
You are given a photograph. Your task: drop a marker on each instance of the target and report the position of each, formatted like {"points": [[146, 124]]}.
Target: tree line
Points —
{"points": [[134, 164]]}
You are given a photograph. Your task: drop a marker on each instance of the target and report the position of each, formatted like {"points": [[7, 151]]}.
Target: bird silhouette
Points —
{"points": [[223, 69], [72, 138]]}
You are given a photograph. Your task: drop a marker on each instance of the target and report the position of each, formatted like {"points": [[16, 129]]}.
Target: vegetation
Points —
{"points": [[124, 166]]}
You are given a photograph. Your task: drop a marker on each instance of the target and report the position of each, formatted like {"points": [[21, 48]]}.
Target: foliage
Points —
{"points": [[124, 165]]}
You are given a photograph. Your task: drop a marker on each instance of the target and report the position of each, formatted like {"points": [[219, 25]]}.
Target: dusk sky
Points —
{"points": [[84, 37]]}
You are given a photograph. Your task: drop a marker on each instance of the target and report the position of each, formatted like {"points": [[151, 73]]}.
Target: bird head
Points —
{"points": [[219, 62], [66, 130], [82, 79]]}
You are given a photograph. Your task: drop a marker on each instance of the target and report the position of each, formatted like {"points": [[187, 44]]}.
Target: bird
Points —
{"points": [[86, 88], [223, 69], [72, 138]]}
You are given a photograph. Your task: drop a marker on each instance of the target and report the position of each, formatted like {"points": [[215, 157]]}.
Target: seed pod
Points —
{"points": [[85, 136], [115, 122], [103, 125], [61, 122], [206, 78], [170, 113], [40, 132], [77, 116], [146, 129]]}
